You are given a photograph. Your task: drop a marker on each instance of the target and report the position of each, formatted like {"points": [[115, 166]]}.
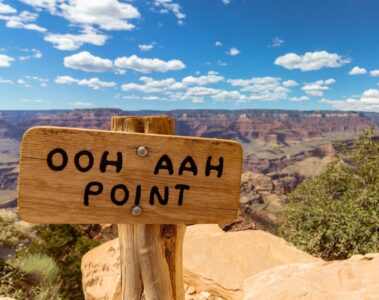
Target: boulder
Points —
{"points": [[215, 262], [355, 278], [219, 262], [101, 272]]}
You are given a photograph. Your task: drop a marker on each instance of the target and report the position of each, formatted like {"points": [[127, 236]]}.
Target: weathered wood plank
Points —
{"points": [[48, 196]]}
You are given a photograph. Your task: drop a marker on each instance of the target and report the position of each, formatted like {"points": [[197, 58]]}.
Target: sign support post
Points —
{"points": [[151, 255]]}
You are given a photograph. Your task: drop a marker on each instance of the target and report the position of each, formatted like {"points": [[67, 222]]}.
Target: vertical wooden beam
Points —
{"points": [[131, 280], [151, 255]]}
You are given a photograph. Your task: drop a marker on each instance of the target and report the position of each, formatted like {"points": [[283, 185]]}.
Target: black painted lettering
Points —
{"points": [[50, 157], [164, 163], [105, 162], [219, 168], [188, 164], [125, 191], [78, 157], [181, 188], [155, 192], [89, 191], [138, 195]]}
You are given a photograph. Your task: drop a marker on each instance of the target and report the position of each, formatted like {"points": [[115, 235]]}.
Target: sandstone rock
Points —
{"points": [[214, 261], [191, 290], [219, 262], [356, 278], [101, 277], [6, 298]]}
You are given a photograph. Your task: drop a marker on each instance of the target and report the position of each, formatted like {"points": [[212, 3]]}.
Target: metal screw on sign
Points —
{"points": [[142, 151], [136, 210]]}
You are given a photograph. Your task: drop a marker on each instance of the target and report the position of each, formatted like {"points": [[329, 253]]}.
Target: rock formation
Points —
{"points": [[215, 262], [355, 278]]}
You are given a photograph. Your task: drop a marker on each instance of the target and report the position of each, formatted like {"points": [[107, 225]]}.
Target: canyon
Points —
{"points": [[281, 148]]}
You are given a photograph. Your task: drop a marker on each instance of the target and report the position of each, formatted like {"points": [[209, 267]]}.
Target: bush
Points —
{"points": [[30, 277], [13, 232], [336, 215], [40, 267], [66, 244]]}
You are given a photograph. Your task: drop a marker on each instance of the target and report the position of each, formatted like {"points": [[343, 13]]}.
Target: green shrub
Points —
{"points": [[66, 244], [30, 277], [40, 267], [336, 215]]}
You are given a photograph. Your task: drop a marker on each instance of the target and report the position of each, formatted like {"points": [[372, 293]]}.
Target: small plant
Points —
{"points": [[13, 232], [40, 267], [30, 277]]}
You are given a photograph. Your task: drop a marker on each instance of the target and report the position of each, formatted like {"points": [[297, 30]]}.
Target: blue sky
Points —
{"points": [[169, 54]]}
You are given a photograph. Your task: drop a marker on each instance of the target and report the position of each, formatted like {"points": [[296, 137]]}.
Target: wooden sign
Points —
{"points": [[90, 176]]}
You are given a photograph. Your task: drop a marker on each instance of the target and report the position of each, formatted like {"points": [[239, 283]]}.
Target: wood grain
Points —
{"points": [[47, 196]]}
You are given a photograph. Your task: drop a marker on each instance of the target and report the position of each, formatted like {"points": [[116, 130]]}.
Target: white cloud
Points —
{"points": [[172, 90], [290, 83], [147, 65], [276, 42], [218, 44], [211, 77], [311, 61], [106, 14], [85, 61], [357, 71], [23, 82], [42, 81], [150, 98], [224, 95], [81, 104], [151, 85], [5, 61], [75, 41], [35, 101], [50, 5], [34, 53], [374, 73], [299, 99], [65, 80], [194, 88], [368, 101], [94, 83], [6, 9], [131, 97], [233, 51], [166, 6], [316, 88], [5, 81], [226, 2], [197, 94], [262, 88], [22, 21], [146, 47], [222, 63]]}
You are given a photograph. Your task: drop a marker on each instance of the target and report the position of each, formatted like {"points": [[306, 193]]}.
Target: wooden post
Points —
{"points": [[151, 255]]}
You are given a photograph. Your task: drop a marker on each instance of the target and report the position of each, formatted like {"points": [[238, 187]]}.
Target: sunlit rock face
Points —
{"points": [[355, 278], [215, 262]]}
